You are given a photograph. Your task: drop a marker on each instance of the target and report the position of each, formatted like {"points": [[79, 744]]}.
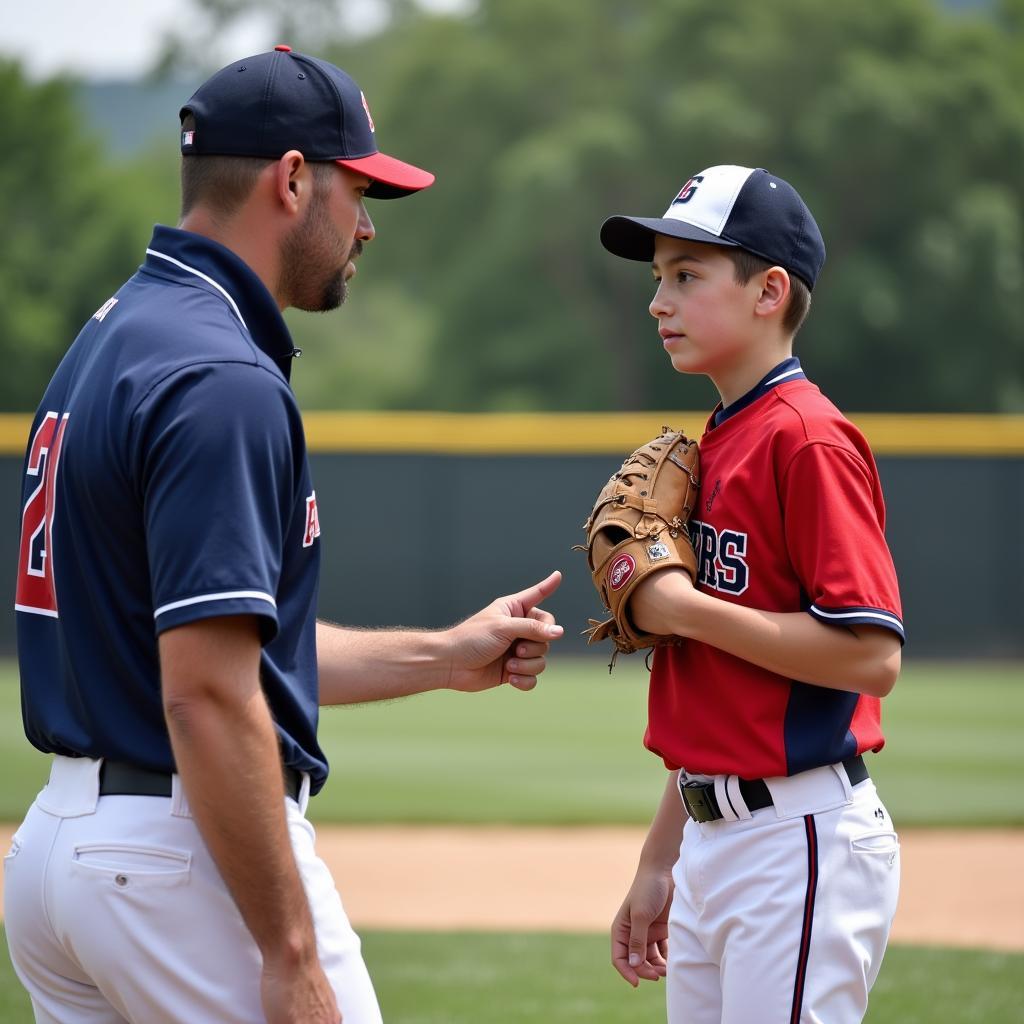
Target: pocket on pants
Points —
{"points": [[13, 851], [883, 842], [131, 865]]}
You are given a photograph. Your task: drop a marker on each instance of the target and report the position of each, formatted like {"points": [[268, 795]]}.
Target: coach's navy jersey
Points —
{"points": [[166, 481]]}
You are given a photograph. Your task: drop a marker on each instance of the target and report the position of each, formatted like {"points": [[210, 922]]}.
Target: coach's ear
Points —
{"points": [[292, 182], [774, 292]]}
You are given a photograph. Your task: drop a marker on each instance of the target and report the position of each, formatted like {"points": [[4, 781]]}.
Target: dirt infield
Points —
{"points": [[960, 888]]}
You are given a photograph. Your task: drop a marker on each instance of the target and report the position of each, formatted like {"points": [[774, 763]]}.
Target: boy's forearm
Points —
{"points": [[796, 645], [661, 847], [862, 659]]}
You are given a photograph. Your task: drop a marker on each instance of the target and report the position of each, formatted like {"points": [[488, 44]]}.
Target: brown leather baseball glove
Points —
{"points": [[638, 526]]}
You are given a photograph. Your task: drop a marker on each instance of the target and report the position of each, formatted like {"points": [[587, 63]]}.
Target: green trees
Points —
{"points": [[64, 232], [902, 124]]}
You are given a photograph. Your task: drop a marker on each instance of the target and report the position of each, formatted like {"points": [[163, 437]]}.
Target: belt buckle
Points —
{"points": [[700, 800]]}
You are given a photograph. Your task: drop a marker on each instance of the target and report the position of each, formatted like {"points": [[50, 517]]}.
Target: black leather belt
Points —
{"points": [[702, 804], [117, 778]]}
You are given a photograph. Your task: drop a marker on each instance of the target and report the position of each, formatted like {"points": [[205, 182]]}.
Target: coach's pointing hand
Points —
{"points": [[504, 642]]}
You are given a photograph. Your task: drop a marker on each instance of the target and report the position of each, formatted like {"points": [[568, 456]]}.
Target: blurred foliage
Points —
{"points": [[74, 228], [902, 125]]}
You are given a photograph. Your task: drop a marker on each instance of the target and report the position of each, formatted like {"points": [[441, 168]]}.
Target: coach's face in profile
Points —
{"points": [[318, 254]]}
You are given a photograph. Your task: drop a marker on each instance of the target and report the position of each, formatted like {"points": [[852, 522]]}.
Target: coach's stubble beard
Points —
{"points": [[313, 261]]}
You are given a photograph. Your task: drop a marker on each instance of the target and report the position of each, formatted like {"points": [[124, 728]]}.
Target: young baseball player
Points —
{"points": [[768, 881], [170, 655]]}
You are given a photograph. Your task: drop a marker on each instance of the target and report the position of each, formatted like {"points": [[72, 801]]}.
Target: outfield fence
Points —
{"points": [[426, 516]]}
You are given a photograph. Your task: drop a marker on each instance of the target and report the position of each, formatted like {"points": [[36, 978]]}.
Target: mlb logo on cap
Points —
{"points": [[740, 207]]}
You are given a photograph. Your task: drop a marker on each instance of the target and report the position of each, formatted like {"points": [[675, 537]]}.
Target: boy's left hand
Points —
{"points": [[659, 604]]}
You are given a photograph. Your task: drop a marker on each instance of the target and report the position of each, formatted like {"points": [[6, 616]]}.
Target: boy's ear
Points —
{"points": [[774, 294]]}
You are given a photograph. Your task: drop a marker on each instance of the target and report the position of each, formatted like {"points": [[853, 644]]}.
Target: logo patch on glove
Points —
{"points": [[658, 551], [620, 572]]}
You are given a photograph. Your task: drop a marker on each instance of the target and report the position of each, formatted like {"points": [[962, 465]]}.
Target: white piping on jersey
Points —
{"points": [[890, 620], [256, 595], [205, 277], [782, 376], [36, 611]]}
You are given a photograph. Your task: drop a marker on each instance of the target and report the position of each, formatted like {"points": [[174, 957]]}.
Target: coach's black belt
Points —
{"points": [[702, 804], [118, 778]]}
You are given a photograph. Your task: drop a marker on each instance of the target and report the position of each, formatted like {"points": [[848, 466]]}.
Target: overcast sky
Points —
{"points": [[121, 38], [99, 38]]}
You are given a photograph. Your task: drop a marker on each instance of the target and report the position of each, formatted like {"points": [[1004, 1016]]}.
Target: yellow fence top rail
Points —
{"points": [[598, 433]]}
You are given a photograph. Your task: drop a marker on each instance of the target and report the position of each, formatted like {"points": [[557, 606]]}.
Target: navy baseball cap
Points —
{"points": [[265, 105], [741, 207]]}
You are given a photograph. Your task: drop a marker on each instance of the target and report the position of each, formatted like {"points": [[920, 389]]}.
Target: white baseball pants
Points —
{"points": [[115, 912], [782, 916]]}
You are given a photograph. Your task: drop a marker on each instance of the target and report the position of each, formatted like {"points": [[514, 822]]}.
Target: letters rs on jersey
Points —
{"points": [[790, 518], [35, 590], [721, 558]]}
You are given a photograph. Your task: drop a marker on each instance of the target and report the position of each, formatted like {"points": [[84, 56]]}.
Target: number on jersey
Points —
{"points": [[35, 592]]}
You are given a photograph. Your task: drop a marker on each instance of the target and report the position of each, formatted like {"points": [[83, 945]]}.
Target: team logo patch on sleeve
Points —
{"points": [[369, 116], [312, 530], [620, 571]]}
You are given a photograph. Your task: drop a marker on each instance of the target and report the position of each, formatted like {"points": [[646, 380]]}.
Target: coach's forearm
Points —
{"points": [[227, 756], [861, 659], [361, 665]]}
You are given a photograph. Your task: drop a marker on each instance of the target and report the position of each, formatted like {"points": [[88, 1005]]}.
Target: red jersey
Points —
{"points": [[790, 518]]}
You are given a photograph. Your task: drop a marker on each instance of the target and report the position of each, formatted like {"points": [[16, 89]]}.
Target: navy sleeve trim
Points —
{"points": [[228, 595], [859, 617]]}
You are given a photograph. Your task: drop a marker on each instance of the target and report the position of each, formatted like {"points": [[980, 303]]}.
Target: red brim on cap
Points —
{"points": [[392, 178]]}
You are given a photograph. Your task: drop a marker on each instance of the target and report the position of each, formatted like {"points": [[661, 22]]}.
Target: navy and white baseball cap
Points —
{"points": [[265, 105], [741, 207]]}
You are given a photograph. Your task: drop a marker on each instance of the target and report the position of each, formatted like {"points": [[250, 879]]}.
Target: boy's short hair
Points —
{"points": [[746, 265]]}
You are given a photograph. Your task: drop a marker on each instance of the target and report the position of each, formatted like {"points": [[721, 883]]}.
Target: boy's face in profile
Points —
{"points": [[705, 318]]}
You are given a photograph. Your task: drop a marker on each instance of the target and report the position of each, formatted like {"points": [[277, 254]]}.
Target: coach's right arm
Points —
{"points": [[226, 753]]}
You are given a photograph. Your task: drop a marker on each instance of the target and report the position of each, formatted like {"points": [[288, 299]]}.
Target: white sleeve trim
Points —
{"points": [[36, 611], [889, 620], [228, 595]]}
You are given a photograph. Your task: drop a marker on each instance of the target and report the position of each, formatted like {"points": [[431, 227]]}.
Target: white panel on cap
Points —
{"points": [[713, 198]]}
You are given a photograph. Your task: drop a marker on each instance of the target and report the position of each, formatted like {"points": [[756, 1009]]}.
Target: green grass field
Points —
{"points": [[570, 752], [565, 979]]}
